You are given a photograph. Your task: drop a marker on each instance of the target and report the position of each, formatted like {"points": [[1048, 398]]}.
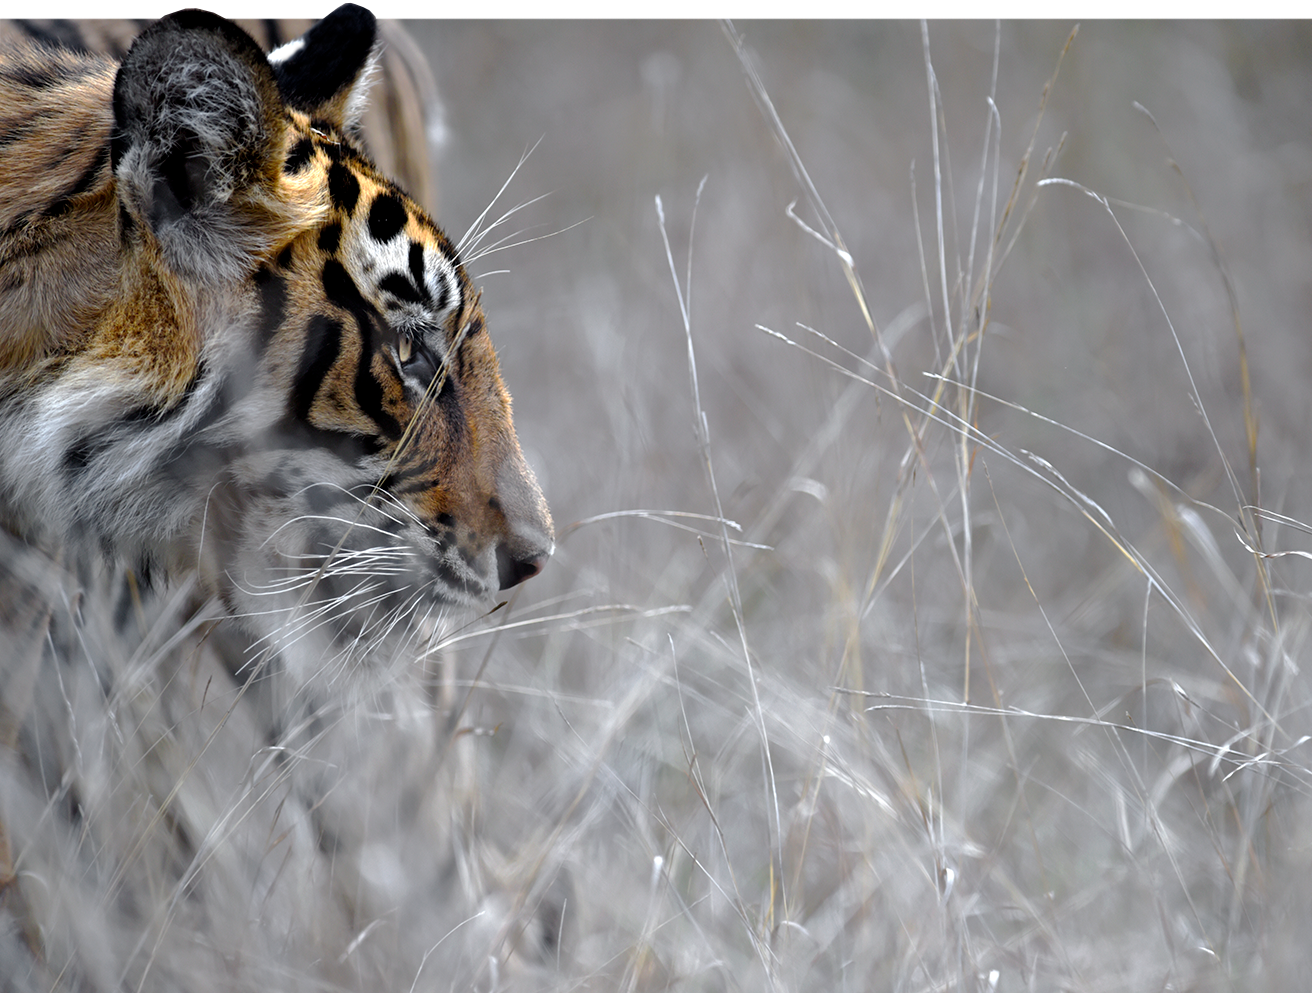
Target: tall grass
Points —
{"points": [[924, 430], [983, 670]]}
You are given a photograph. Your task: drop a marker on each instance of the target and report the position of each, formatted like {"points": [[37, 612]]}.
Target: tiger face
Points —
{"points": [[273, 370]]}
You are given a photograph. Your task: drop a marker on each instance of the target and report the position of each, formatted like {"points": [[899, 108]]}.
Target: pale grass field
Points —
{"points": [[986, 689], [926, 430]]}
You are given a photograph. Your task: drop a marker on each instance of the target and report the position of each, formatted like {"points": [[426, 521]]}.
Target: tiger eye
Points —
{"points": [[405, 347]]}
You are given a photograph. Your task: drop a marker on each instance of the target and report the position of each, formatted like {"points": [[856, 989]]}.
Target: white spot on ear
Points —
{"points": [[284, 52]]}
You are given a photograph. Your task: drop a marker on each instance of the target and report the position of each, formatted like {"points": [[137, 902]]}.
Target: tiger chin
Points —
{"points": [[231, 349]]}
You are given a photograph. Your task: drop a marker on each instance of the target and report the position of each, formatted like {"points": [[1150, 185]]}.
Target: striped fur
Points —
{"points": [[251, 425], [232, 345], [402, 122]]}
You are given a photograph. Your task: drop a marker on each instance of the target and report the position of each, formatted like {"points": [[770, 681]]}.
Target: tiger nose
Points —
{"points": [[514, 565], [526, 536]]}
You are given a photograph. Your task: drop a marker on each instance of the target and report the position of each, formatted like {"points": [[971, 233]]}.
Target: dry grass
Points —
{"points": [[929, 610], [994, 684]]}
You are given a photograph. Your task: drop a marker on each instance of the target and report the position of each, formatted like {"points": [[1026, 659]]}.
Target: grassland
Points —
{"points": [[993, 349]]}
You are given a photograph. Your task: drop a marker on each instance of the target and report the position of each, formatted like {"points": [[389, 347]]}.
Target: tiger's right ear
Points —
{"points": [[198, 146], [326, 71]]}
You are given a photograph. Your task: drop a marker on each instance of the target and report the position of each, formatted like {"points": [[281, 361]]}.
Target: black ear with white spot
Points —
{"points": [[198, 143], [325, 72]]}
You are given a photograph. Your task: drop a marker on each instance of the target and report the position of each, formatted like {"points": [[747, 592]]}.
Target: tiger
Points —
{"points": [[223, 324], [254, 442]]}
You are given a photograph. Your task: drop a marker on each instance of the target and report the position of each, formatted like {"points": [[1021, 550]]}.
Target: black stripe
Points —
{"points": [[417, 271], [61, 203], [387, 217], [343, 187], [369, 392], [449, 401], [299, 157], [448, 576], [160, 415], [181, 460], [184, 458], [20, 129], [123, 612], [417, 263], [39, 76], [298, 436], [341, 289], [400, 287], [330, 237], [136, 421], [410, 471], [323, 342], [272, 290], [420, 484], [77, 459], [20, 222]]}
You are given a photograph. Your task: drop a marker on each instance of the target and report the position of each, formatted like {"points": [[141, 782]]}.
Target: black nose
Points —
{"points": [[514, 566]]}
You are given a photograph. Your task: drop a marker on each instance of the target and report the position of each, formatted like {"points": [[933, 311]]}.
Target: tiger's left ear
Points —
{"points": [[198, 146], [325, 73]]}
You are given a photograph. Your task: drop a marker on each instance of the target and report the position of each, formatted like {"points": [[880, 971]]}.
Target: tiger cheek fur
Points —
{"points": [[288, 385]]}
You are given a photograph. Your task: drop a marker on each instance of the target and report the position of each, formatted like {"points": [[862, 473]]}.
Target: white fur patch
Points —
{"points": [[284, 52]]}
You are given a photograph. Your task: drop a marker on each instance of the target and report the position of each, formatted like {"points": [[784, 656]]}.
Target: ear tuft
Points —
{"points": [[198, 142], [325, 72]]}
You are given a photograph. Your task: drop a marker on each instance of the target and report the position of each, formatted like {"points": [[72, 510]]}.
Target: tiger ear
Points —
{"points": [[198, 145], [326, 71]]}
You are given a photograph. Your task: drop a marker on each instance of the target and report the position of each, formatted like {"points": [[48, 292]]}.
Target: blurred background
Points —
{"points": [[983, 698]]}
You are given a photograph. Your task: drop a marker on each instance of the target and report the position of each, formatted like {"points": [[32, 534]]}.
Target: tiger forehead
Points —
{"points": [[400, 261], [356, 190]]}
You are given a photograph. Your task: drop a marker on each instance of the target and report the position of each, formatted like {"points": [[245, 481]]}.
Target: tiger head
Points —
{"points": [[289, 384]]}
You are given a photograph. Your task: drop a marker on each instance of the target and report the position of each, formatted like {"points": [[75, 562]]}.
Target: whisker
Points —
{"points": [[473, 228]]}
